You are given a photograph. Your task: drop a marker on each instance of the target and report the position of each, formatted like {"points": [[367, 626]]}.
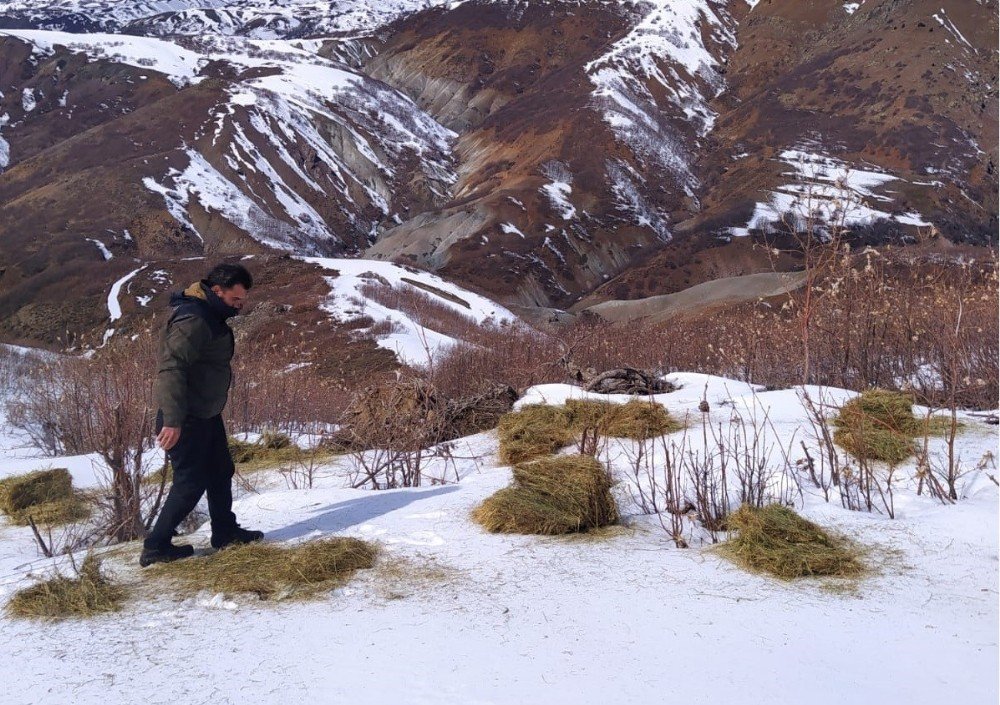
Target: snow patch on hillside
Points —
{"points": [[558, 193], [667, 48], [262, 19], [4, 144], [273, 123], [413, 342], [214, 192], [829, 192], [180, 65], [628, 186], [28, 102], [114, 306], [102, 248]]}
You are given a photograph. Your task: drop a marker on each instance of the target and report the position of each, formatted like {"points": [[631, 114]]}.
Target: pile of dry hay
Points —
{"points": [[636, 419], [271, 571], [533, 432], [45, 496], [410, 414], [538, 430], [777, 541], [557, 495], [88, 594], [478, 413], [878, 425], [270, 449]]}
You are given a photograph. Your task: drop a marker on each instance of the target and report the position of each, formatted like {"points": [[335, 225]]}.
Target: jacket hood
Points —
{"points": [[200, 292]]}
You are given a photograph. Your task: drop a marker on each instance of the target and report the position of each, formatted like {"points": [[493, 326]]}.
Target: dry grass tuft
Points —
{"points": [[888, 409], [533, 432], [777, 541], [398, 577], [271, 571], [46, 496], [88, 594], [243, 451], [877, 425], [558, 495]]}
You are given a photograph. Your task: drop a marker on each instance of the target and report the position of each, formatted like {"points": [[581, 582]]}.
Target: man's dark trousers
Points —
{"points": [[202, 464]]}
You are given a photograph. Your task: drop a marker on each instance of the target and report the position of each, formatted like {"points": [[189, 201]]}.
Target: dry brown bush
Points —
{"points": [[513, 355], [422, 308], [884, 319], [272, 392], [101, 405]]}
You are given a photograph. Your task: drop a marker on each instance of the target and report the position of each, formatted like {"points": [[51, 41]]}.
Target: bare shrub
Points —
{"points": [[825, 469], [391, 432], [102, 405], [657, 482], [513, 355], [272, 392], [707, 471]]}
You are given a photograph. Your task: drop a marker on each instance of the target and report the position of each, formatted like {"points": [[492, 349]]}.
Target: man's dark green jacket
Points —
{"points": [[195, 352]]}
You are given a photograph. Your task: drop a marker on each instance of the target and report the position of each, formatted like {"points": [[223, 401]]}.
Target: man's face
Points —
{"points": [[235, 296]]}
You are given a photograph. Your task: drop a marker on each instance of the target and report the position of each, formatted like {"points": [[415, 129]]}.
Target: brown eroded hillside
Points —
{"points": [[547, 154]]}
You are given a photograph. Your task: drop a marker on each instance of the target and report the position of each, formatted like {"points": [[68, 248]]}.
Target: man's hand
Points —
{"points": [[168, 437]]}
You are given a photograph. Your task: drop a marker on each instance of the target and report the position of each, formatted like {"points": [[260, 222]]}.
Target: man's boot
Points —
{"points": [[234, 536], [164, 554]]}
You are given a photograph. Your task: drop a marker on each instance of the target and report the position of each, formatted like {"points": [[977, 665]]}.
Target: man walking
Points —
{"points": [[192, 386]]}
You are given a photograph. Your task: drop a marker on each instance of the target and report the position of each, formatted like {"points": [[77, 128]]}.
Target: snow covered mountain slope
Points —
{"points": [[380, 296], [261, 19], [540, 151]]}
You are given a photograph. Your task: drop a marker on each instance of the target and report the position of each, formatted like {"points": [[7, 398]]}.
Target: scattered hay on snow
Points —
{"points": [[88, 594], [532, 432], [45, 496], [888, 409], [557, 495], [539, 430], [271, 571], [777, 541], [243, 451], [54, 513], [870, 442]]}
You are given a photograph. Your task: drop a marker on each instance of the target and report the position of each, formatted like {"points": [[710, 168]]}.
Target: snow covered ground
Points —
{"points": [[481, 618]]}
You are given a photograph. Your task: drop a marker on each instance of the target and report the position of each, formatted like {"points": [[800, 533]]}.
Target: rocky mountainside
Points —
{"points": [[545, 153]]}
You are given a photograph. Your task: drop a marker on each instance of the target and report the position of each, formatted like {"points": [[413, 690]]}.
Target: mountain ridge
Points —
{"points": [[538, 152]]}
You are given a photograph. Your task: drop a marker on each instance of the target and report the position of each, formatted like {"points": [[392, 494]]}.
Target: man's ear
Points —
{"points": [[217, 290]]}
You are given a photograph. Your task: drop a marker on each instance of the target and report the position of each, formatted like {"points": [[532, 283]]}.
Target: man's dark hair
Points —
{"points": [[229, 275]]}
